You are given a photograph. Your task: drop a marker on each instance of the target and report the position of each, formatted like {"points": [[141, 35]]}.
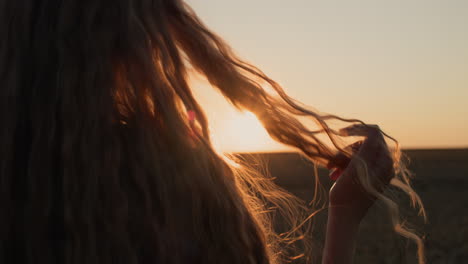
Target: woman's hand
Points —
{"points": [[349, 200], [348, 191]]}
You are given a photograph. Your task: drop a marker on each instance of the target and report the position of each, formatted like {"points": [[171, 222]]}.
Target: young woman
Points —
{"points": [[100, 163]]}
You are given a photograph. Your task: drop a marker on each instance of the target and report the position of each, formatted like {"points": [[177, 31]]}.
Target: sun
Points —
{"points": [[232, 130], [243, 132]]}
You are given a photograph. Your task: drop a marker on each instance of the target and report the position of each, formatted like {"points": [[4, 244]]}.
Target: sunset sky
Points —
{"points": [[402, 64]]}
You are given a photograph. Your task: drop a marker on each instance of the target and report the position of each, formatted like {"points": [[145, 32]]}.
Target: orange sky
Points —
{"points": [[402, 64]]}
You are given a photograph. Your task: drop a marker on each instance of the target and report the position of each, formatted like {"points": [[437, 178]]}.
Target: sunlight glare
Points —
{"points": [[243, 132]]}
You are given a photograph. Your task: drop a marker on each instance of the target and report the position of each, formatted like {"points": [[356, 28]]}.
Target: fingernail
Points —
{"points": [[343, 132], [191, 115]]}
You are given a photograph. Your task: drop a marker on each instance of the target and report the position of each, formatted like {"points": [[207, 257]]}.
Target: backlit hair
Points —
{"points": [[95, 162]]}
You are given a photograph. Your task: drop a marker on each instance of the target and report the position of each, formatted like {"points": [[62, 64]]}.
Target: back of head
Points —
{"points": [[96, 165]]}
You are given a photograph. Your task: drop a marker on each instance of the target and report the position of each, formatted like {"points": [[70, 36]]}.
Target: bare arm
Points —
{"points": [[342, 229]]}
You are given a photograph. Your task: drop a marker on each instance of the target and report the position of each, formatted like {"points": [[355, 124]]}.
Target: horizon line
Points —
{"points": [[284, 151]]}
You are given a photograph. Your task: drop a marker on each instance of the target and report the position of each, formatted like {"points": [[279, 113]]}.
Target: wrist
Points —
{"points": [[349, 215]]}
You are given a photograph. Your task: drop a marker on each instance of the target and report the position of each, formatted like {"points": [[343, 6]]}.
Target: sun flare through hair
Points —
{"points": [[96, 165]]}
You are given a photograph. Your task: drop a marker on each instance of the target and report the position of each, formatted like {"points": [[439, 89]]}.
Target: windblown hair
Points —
{"points": [[95, 162]]}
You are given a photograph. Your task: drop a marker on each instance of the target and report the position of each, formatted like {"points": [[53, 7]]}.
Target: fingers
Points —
{"points": [[340, 160], [360, 130], [354, 148], [373, 149], [374, 138]]}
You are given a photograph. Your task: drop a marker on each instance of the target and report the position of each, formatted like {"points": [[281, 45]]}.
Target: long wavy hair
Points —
{"points": [[95, 162]]}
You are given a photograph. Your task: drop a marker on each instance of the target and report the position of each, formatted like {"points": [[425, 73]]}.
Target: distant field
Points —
{"points": [[441, 181]]}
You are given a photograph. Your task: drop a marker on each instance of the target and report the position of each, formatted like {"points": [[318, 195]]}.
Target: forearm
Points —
{"points": [[342, 229]]}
